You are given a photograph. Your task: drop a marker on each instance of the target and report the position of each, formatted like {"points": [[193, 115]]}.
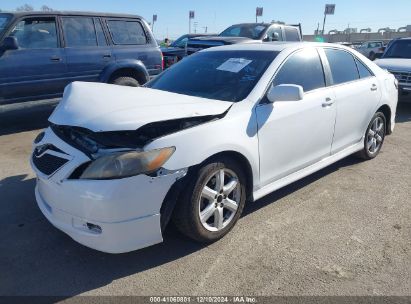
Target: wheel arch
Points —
{"points": [[173, 195], [244, 164], [386, 110], [132, 68]]}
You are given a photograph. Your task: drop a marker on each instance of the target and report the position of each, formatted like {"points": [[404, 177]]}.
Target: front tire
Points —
{"points": [[212, 202], [126, 81], [374, 137]]}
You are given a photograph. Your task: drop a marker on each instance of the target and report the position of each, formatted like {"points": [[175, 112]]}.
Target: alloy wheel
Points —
{"points": [[375, 135], [219, 200]]}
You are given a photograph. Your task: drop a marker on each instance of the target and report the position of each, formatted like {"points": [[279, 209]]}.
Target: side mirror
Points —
{"points": [[285, 92], [275, 37], [10, 43]]}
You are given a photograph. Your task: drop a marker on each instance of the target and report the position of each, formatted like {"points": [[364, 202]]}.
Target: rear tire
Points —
{"points": [[212, 202], [374, 137], [126, 81]]}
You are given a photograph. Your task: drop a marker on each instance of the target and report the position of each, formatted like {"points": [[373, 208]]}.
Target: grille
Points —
{"points": [[402, 77], [48, 163]]}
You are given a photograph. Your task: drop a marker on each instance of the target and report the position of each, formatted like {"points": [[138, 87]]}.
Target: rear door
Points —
{"points": [[357, 94], [132, 41], [38, 68], [86, 47]]}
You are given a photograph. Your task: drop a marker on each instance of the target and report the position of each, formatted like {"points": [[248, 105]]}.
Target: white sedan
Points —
{"points": [[227, 125]]}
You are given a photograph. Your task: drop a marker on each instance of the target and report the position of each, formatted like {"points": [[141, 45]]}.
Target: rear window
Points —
{"points": [[362, 69], [291, 34], [252, 31], [127, 32], [79, 32], [342, 65]]}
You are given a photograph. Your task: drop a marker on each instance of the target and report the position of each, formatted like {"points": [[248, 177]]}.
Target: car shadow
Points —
{"points": [[39, 259]]}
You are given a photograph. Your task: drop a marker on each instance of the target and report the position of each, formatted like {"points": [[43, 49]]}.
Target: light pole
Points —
{"points": [[191, 15], [154, 20], [329, 10], [258, 13]]}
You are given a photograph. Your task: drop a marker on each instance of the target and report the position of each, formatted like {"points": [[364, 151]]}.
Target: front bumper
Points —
{"points": [[113, 216], [116, 237]]}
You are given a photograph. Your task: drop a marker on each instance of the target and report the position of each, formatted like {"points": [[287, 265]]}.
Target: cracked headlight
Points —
{"points": [[126, 164]]}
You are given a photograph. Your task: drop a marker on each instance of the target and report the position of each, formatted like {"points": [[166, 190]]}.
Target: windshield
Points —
{"points": [[4, 21], [399, 49], [221, 75], [252, 31]]}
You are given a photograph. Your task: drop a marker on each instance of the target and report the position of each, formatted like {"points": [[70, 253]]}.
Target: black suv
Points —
{"points": [[41, 52], [247, 33]]}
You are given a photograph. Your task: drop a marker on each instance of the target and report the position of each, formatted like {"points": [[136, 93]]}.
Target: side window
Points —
{"points": [[274, 34], [342, 65], [101, 39], [298, 66], [79, 32], [291, 34], [127, 32], [36, 33], [362, 69]]}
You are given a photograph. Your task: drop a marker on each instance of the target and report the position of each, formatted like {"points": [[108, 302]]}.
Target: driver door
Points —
{"points": [[295, 134]]}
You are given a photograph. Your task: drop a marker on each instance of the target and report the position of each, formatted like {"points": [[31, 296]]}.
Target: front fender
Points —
{"points": [[235, 132], [134, 64]]}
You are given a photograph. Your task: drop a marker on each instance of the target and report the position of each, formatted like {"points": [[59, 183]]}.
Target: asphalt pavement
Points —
{"points": [[345, 230]]}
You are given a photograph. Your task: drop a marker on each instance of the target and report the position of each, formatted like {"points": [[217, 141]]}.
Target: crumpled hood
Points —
{"points": [[104, 107], [394, 64]]}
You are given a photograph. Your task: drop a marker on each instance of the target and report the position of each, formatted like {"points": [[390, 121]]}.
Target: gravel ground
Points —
{"points": [[345, 230]]}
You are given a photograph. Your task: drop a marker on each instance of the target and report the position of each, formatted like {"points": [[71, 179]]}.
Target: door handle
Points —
{"points": [[328, 102], [55, 59], [374, 87], [107, 56]]}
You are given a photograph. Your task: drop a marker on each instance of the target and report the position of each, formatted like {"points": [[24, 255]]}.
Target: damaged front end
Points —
{"points": [[119, 154], [90, 142]]}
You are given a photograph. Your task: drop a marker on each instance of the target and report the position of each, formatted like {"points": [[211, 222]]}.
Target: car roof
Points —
{"points": [[72, 13], [250, 23], [273, 46]]}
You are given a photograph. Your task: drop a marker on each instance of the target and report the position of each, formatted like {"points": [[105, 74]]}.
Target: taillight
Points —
{"points": [[162, 62]]}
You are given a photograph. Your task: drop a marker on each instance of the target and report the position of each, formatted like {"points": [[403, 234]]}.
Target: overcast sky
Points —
{"points": [[216, 15]]}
